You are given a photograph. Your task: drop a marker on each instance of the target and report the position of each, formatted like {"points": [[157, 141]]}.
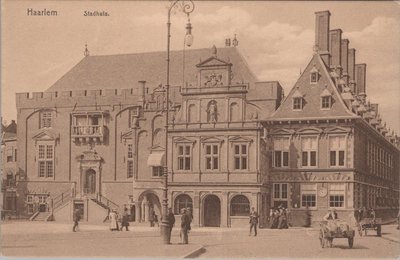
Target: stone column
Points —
{"points": [[196, 209], [224, 209], [138, 216]]}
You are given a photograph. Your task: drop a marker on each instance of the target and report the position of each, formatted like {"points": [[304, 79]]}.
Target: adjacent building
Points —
{"points": [[96, 139]]}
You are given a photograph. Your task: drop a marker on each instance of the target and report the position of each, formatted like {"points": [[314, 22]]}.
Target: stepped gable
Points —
{"points": [[311, 93], [123, 71]]}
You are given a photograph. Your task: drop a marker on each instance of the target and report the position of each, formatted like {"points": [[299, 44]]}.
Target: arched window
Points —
{"points": [[192, 113], [234, 112], [240, 206], [181, 202]]}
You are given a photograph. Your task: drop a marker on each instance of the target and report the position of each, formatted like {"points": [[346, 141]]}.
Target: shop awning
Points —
{"points": [[156, 159]]}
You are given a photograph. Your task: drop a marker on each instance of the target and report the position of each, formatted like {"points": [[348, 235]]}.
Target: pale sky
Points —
{"points": [[275, 37]]}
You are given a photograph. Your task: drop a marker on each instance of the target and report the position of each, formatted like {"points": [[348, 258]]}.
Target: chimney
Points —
{"points": [[322, 35], [335, 47], [350, 69], [344, 59], [142, 90], [360, 75]]}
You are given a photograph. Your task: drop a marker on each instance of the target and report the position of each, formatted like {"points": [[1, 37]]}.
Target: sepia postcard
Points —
{"points": [[200, 129]]}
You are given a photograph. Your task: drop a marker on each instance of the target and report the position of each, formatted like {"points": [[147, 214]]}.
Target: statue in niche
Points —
{"points": [[212, 112]]}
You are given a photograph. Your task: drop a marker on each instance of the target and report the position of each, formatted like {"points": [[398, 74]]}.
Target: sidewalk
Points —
{"points": [[390, 232]]}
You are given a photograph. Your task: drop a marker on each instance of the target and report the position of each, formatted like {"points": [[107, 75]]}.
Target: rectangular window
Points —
{"points": [[240, 156], [130, 169], [337, 147], [134, 113], [280, 191], [281, 152], [45, 119], [45, 155], [308, 195], [326, 102], [336, 195], [130, 151], [297, 103], [184, 157], [212, 157], [29, 198], [309, 147], [158, 171]]}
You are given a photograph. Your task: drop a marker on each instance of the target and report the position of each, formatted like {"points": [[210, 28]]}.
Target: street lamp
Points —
{"points": [[187, 8]]}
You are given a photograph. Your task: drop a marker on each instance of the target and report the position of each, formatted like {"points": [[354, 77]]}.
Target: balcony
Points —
{"points": [[242, 88], [88, 133]]}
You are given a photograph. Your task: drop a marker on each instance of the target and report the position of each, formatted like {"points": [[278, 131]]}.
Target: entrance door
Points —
{"points": [[90, 182], [212, 211]]}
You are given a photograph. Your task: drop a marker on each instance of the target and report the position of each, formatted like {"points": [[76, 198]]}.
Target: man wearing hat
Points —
{"points": [[171, 220], [331, 215], [253, 221]]}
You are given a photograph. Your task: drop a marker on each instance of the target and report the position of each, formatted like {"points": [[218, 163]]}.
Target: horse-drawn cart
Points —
{"points": [[335, 229], [370, 224]]}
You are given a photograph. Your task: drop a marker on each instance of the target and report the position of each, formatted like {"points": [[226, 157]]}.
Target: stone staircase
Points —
{"points": [[41, 216]]}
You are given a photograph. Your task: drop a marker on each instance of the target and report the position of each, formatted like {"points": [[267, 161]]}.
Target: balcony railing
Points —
{"points": [[88, 131]]}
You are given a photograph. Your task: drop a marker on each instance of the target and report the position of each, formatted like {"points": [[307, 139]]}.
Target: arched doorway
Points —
{"points": [[90, 182], [212, 211], [182, 201]]}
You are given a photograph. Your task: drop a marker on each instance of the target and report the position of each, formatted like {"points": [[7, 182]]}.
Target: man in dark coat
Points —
{"points": [[124, 220], [171, 220], [253, 221], [76, 218], [185, 225]]}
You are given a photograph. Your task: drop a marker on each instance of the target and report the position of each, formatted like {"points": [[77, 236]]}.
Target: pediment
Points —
{"points": [[89, 155], [282, 131], [45, 135], [336, 129], [213, 62], [240, 139], [157, 148], [211, 140], [184, 140], [127, 135], [309, 130]]}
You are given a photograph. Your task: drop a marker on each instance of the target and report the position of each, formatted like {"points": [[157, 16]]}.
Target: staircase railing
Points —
{"points": [[61, 199], [105, 202]]}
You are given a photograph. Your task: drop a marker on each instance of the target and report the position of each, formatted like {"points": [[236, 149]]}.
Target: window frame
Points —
{"points": [[212, 156], [45, 119], [130, 164], [184, 157], [188, 203], [323, 102], [300, 103], [280, 191], [233, 210], [308, 192], [157, 169], [337, 193], [241, 156], [46, 160], [316, 74], [337, 152], [281, 152], [309, 152]]}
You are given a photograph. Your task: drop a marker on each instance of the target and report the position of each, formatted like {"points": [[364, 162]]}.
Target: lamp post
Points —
{"points": [[187, 8]]}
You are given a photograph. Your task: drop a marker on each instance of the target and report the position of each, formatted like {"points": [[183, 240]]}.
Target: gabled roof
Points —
{"points": [[312, 96], [125, 70]]}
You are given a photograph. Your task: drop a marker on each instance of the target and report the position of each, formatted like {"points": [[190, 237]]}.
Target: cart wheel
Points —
{"points": [[321, 238], [379, 231], [351, 240]]}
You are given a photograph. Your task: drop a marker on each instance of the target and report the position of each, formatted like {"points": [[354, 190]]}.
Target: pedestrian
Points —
{"points": [[282, 218], [253, 221], [151, 218], [171, 220], [190, 216], [113, 220], [156, 220], [185, 225], [124, 221], [76, 217], [331, 215], [398, 220]]}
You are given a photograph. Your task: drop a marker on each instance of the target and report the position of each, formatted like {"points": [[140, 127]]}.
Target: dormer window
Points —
{"points": [[297, 100], [326, 99], [314, 75], [297, 103]]}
